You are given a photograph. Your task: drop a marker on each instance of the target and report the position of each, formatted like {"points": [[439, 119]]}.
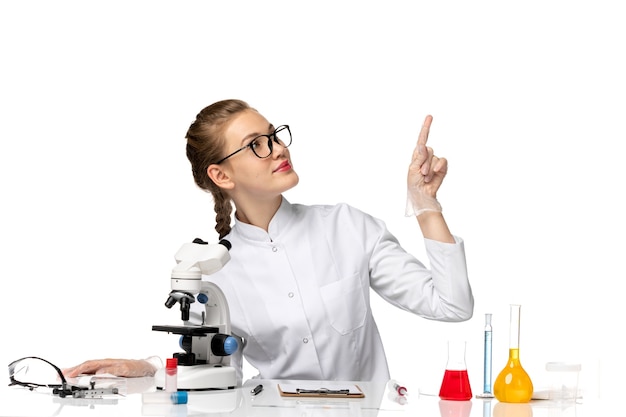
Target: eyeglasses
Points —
{"points": [[263, 148], [34, 372]]}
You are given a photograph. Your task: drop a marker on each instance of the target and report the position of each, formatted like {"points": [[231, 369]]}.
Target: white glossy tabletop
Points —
{"points": [[378, 401]]}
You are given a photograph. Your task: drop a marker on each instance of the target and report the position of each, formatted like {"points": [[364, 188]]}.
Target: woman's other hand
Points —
{"points": [[117, 367]]}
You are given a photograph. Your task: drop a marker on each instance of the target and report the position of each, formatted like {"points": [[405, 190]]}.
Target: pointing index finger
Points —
{"points": [[423, 137]]}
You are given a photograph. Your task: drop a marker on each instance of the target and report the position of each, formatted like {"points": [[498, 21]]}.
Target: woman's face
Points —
{"points": [[251, 176]]}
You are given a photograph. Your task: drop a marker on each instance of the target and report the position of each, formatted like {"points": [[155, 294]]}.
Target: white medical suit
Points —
{"points": [[299, 295]]}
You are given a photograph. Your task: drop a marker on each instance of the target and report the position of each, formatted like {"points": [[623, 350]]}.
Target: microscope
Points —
{"points": [[205, 362]]}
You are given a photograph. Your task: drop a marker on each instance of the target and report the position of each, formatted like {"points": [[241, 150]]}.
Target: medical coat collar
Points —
{"points": [[279, 222]]}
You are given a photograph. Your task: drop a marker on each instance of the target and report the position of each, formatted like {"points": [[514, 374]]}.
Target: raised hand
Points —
{"points": [[425, 175]]}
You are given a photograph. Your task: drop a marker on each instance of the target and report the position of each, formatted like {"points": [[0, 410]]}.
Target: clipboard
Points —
{"points": [[320, 390]]}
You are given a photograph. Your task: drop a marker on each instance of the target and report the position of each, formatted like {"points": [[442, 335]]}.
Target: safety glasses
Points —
{"points": [[33, 372]]}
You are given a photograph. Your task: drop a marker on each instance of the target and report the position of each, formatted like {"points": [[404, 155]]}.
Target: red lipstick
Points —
{"points": [[285, 166]]}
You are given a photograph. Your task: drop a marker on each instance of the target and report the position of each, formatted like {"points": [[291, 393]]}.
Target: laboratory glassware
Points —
{"points": [[513, 384], [455, 385], [487, 362], [164, 397], [171, 375], [563, 380]]}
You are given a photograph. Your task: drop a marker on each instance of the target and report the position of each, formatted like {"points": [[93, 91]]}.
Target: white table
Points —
{"points": [[378, 401]]}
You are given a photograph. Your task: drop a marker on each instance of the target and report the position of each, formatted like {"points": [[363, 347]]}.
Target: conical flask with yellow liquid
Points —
{"points": [[513, 384]]}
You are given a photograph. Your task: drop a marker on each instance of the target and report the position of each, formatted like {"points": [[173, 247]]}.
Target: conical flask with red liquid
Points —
{"points": [[455, 385]]}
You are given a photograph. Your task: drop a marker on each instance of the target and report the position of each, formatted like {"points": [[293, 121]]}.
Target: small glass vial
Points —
{"points": [[160, 397], [171, 375]]}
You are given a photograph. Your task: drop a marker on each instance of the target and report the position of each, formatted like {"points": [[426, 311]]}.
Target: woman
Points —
{"points": [[299, 276]]}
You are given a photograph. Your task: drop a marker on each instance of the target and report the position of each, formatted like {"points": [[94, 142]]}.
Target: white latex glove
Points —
{"points": [[117, 367], [426, 173]]}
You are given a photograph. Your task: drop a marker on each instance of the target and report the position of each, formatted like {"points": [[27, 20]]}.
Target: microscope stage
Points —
{"points": [[187, 330]]}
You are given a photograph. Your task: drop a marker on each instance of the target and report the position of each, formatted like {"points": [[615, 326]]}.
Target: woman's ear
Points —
{"points": [[219, 177]]}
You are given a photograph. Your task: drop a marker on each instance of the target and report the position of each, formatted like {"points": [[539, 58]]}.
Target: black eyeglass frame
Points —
{"points": [[61, 389], [270, 138]]}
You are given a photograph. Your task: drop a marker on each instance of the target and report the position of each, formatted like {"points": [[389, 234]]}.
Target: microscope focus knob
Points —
{"points": [[223, 345]]}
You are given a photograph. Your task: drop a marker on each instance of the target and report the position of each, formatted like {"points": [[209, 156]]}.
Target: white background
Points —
{"points": [[528, 103]]}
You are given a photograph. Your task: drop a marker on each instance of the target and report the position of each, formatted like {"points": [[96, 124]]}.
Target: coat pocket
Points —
{"points": [[345, 304]]}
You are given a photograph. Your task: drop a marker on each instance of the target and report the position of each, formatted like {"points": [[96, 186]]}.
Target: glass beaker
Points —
{"points": [[455, 385], [513, 384]]}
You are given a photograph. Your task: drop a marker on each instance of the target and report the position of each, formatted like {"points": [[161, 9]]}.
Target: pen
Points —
{"points": [[256, 389]]}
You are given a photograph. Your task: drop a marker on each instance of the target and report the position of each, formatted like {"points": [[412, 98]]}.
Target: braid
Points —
{"points": [[205, 145], [223, 210]]}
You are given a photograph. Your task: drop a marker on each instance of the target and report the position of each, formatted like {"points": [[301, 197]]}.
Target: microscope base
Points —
{"points": [[200, 377]]}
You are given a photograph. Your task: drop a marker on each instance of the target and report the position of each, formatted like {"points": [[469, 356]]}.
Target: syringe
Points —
{"points": [[395, 387]]}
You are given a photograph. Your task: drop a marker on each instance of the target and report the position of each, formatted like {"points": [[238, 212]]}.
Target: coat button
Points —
{"points": [[305, 340]]}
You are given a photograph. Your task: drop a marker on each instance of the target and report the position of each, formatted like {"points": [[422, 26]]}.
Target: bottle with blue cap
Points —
{"points": [[164, 397]]}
